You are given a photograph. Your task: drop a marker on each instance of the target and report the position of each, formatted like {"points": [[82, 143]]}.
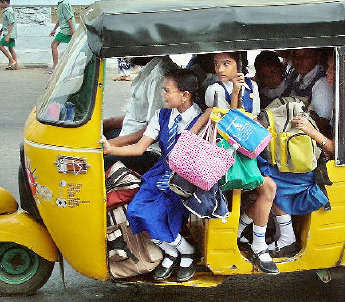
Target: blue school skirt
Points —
{"points": [[296, 193]]}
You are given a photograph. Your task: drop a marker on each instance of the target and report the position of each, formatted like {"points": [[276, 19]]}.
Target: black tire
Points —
{"points": [[22, 271]]}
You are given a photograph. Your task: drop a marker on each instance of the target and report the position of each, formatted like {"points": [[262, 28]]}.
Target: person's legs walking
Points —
{"points": [[11, 61], [13, 53], [55, 54]]}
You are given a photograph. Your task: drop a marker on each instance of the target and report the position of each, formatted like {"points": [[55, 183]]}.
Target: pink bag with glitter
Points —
{"points": [[199, 161]]}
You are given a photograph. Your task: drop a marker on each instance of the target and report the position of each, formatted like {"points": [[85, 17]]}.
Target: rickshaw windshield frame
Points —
{"points": [[69, 97]]}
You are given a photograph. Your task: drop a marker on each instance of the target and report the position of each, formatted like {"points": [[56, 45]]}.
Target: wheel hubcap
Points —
{"points": [[17, 263]]}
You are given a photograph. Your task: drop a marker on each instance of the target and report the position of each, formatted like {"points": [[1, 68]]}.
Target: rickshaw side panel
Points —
{"points": [[71, 202], [20, 228], [322, 238], [222, 253]]}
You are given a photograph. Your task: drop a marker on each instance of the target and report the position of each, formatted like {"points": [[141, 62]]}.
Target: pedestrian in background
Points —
{"points": [[9, 31], [124, 66], [67, 23]]}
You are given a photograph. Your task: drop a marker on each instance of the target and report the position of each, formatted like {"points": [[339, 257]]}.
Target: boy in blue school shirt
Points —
{"points": [[9, 31]]}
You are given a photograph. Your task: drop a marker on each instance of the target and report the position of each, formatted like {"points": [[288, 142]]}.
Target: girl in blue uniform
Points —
{"points": [[155, 208], [225, 94]]}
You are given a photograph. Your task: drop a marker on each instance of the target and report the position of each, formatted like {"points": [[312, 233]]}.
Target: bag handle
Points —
{"points": [[206, 131]]}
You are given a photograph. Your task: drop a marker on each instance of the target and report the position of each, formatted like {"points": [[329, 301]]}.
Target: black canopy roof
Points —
{"points": [[156, 27]]}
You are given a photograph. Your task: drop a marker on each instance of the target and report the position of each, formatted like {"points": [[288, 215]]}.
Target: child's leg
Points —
{"points": [[165, 269], [11, 61], [54, 46], [184, 248], [168, 250], [259, 212], [244, 221], [13, 53], [287, 236], [187, 267], [286, 246]]}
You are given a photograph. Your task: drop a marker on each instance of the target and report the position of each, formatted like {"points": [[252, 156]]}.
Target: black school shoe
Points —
{"points": [[186, 273], [162, 273], [268, 267], [286, 251]]}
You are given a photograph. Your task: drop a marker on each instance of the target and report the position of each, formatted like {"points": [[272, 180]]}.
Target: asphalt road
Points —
{"points": [[19, 91]]}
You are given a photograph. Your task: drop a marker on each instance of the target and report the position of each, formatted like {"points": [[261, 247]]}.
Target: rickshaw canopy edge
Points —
{"points": [[133, 28]]}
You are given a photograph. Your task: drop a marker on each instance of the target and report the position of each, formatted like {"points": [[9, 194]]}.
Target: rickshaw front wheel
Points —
{"points": [[22, 272]]}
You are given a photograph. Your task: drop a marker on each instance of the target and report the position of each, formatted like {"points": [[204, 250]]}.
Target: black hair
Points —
{"points": [[186, 80], [267, 58], [241, 59], [6, 1]]}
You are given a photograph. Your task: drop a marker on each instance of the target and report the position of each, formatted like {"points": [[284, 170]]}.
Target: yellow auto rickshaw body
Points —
{"points": [[63, 164]]}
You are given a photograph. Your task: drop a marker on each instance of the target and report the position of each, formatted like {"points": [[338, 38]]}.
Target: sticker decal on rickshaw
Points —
{"points": [[70, 164], [71, 190], [39, 192], [44, 192]]}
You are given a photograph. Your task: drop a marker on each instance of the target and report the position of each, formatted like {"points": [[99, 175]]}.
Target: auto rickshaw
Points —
{"points": [[61, 175]]}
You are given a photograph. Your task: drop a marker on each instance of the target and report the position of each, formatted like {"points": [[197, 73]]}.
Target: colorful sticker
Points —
{"points": [[70, 164]]}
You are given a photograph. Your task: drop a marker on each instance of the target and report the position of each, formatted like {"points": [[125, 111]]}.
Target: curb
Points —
{"points": [[27, 66]]}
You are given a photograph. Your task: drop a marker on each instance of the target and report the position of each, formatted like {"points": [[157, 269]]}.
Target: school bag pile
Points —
{"points": [[128, 254]]}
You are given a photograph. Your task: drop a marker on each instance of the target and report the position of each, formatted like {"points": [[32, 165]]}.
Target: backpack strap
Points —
{"points": [[227, 95], [247, 99], [287, 117]]}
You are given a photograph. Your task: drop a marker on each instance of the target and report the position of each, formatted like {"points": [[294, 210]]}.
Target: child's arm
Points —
{"points": [[52, 33], [8, 36], [127, 139], [202, 121], [70, 23], [238, 82], [136, 149]]}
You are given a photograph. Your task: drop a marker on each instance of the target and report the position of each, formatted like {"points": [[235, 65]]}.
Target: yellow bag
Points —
{"points": [[290, 149], [297, 152]]}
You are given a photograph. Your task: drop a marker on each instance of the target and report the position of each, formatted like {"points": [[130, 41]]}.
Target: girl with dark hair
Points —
{"points": [[155, 208], [230, 68]]}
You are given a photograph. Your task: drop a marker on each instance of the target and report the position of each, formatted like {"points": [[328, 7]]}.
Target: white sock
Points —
{"points": [[259, 242], [287, 235], [244, 221], [183, 247], [168, 249]]}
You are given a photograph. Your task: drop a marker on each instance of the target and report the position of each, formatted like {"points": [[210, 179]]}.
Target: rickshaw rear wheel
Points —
{"points": [[22, 271]]}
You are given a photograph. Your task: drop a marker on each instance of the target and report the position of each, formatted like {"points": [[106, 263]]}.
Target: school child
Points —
{"points": [[67, 23], [155, 208], [9, 31], [299, 193], [225, 92], [270, 73], [226, 68], [313, 84]]}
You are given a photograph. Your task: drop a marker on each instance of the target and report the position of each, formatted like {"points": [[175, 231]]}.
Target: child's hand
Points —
{"points": [[238, 82], [303, 124], [52, 33], [7, 38], [105, 145]]}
